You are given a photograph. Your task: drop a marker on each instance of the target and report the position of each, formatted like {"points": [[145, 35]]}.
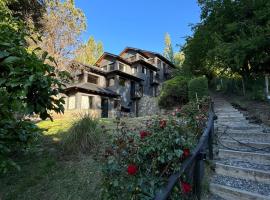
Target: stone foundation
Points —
{"points": [[149, 106]]}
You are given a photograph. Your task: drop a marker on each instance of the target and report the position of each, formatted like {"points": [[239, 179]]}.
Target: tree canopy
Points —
{"points": [[233, 36], [89, 53], [62, 25]]}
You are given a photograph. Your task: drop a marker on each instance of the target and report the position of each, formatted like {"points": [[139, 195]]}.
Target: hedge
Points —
{"points": [[197, 86], [174, 92]]}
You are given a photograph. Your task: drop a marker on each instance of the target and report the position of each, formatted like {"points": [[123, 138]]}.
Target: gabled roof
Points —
{"points": [[106, 54], [148, 54]]}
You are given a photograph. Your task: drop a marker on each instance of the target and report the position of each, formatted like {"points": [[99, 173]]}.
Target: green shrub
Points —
{"points": [[28, 85], [174, 92], [84, 136], [197, 87]]}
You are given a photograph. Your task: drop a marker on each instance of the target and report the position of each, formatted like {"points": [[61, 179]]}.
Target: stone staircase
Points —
{"points": [[242, 163]]}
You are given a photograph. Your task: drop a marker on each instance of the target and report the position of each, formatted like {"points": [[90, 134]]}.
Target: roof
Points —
{"points": [[105, 54], [87, 67], [123, 74], [148, 54], [91, 88]]}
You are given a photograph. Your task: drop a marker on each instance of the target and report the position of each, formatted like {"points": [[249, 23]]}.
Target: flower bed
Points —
{"points": [[139, 162]]}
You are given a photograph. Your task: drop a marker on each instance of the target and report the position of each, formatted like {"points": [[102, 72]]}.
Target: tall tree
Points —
{"points": [[232, 35], [62, 25], [168, 49], [89, 53], [30, 11]]}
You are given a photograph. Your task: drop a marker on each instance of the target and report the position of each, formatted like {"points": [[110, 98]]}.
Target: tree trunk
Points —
{"points": [[243, 86]]}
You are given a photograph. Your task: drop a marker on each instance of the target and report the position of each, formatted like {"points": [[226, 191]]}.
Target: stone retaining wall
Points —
{"points": [[149, 106]]}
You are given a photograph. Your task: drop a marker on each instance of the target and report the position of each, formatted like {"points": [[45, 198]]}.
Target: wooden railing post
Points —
{"points": [[198, 175], [210, 142]]}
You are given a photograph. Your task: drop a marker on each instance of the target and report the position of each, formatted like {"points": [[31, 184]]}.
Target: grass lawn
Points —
{"points": [[48, 173]]}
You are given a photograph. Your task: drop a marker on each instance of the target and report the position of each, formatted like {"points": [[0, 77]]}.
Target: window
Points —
{"points": [[71, 102], [92, 79], [164, 68], [111, 66], [158, 63], [104, 68], [122, 81], [134, 70], [121, 67], [87, 102], [143, 70], [110, 82]]}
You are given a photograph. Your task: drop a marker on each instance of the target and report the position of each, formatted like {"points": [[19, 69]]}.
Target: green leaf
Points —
{"points": [[10, 60]]}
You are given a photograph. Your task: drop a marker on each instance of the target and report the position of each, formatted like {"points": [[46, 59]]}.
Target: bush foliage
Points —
{"points": [[139, 162], [174, 92], [27, 86], [84, 136], [197, 88]]}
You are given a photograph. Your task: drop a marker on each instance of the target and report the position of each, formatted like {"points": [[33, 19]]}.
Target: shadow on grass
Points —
{"points": [[48, 173]]}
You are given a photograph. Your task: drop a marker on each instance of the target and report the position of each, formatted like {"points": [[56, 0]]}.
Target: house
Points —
{"points": [[117, 82]]}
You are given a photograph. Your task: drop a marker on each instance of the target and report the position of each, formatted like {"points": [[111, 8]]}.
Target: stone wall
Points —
{"points": [[148, 106]]}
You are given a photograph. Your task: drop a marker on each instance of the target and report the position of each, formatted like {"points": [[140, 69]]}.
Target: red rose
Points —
{"points": [[132, 169], [186, 187], [162, 123], [143, 134], [186, 153]]}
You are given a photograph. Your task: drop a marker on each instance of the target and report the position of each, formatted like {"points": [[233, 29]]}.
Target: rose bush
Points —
{"points": [[139, 162]]}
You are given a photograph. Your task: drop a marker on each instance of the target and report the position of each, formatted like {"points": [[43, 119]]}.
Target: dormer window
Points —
{"points": [[92, 79]]}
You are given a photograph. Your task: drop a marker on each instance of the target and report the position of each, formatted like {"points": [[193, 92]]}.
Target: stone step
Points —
{"points": [[248, 137], [245, 145], [235, 123], [230, 118], [230, 193], [226, 111], [240, 188], [259, 158], [235, 115], [243, 138], [249, 131], [241, 127], [242, 172]]}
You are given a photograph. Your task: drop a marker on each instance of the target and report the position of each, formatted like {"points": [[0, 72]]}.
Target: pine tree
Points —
{"points": [[89, 52], [168, 49]]}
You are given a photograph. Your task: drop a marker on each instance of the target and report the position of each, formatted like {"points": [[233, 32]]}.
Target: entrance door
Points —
{"points": [[104, 108]]}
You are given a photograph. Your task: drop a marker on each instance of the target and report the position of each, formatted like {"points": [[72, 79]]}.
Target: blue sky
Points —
{"points": [[138, 23]]}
